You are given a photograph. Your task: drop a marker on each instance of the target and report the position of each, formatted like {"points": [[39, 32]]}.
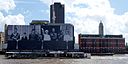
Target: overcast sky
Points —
{"points": [[85, 15]]}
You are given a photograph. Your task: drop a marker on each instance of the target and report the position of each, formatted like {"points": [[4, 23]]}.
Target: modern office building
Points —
{"points": [[94, 43], [57, 14]]}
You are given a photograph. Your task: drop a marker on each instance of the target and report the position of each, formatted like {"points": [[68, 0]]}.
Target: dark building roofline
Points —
{"points": [[57, 3], [40, 21], [119, 36], [97, 35], [99, 38]]}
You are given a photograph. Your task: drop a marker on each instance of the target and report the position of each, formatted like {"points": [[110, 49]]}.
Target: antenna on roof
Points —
{"points": [[53, 10]]}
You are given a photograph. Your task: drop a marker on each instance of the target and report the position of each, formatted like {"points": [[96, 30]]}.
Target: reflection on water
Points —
{"points": [[116, 59]]}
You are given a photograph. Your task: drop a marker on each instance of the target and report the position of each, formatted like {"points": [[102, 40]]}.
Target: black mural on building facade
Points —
{"points": [[37, 36]]}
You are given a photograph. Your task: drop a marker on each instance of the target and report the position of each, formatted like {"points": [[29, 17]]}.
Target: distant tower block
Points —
{"points": [[101, 29], [57, 13]]}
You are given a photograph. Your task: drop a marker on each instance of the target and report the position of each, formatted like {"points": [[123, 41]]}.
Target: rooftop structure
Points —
{"points": [[39, 22]]}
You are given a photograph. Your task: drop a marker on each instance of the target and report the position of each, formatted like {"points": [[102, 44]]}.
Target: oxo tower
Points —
{"points": [[101, 29]]}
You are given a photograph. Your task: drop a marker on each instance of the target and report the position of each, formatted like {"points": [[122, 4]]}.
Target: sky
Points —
{"points": [[85, 15]]}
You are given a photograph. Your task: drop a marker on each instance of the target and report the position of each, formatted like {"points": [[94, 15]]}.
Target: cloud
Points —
{"points": [[14, 20], [85, 15], [11, 20], [6, 5], [25, 2]]}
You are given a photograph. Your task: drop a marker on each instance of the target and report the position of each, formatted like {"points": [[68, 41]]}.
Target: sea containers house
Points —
{"points": [[40, 37]]}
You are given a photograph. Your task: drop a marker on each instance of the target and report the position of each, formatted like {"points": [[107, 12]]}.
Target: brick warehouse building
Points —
{"points": [[99, 43]]}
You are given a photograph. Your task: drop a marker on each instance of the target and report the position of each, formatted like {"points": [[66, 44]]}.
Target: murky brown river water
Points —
{"points": [[116, 59]]}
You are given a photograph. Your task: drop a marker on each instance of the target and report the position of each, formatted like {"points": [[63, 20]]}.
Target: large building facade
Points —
{"points": [[1, 37], [94, 43], [57, 14], [49, 36], [1, 40]]}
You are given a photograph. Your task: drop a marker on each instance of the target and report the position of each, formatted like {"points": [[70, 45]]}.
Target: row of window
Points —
{"points": [[103, 40], [102, 44], [102, 47], [103, 50]]}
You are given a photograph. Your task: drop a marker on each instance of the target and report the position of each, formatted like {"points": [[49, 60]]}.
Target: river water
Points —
{"points": [[116, 59]]}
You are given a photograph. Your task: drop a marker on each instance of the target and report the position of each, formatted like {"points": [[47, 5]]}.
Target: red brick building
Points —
{"points": [[100, 43], [96, 44]]}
